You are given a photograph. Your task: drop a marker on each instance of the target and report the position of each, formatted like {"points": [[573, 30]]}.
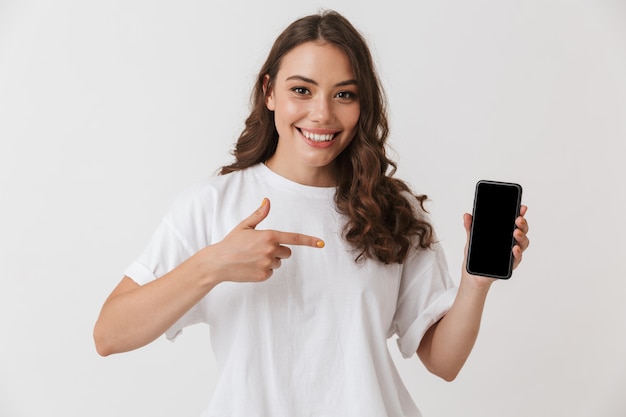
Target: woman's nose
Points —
{"points": [[322, 110]]}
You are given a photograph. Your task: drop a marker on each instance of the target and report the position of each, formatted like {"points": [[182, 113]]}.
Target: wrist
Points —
{"points": [[476, 282], [204, 269]]}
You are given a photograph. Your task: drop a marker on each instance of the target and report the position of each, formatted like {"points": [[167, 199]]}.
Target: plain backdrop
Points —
{"points": [[108, 109]]}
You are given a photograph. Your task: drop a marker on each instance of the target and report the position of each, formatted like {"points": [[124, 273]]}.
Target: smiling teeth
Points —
{"points": [[318, 138]]}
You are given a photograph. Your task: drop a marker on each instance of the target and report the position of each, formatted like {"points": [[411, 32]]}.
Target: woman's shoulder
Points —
{"points": [[207, 191], [218, 182]]}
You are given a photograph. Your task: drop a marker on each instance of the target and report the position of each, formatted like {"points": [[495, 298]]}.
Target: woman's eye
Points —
{"points": [[300, 90], [346, 95]]}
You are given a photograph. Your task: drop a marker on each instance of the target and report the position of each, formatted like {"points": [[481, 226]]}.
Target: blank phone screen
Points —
{"points": [[496, 206]]}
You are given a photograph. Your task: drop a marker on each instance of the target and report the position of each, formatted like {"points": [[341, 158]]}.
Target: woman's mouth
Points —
{"points": [[318, 137]]}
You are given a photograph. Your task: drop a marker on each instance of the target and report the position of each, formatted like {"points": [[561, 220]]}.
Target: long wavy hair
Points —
{"points": [[381, 222]]}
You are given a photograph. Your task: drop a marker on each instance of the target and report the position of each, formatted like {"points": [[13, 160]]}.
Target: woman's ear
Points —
{"points": [[268, 92]]}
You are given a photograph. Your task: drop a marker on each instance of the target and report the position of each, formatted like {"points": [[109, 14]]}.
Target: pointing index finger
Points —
{"points": [[289, 238]]}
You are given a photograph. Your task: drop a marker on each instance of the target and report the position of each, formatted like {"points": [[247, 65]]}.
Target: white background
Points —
{"points": [[109, 109]]}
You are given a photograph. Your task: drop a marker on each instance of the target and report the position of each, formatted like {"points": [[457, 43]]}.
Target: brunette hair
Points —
{"points": [[381, 222]]}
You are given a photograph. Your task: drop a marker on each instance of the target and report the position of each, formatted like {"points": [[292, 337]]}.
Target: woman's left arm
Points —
{"points": [[447, 344]]}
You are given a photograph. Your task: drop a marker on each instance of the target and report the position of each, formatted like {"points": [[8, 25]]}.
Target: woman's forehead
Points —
{"points": [[317, 61]]}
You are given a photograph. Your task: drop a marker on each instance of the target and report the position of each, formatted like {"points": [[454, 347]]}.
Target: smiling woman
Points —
{"points": [[301, 307], [316, 115]]}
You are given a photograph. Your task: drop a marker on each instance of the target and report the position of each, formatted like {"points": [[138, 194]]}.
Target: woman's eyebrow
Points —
{"points": [[310, 81]]}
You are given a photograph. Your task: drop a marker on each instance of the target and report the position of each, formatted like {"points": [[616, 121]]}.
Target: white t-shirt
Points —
{"points": [[311, 340]]}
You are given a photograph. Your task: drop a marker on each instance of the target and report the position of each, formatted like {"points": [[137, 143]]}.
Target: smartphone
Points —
{"points": [[496, 206]]}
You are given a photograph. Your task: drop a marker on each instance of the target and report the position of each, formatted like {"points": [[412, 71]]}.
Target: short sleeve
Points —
{"points": [[425, 296], [167, 249]]}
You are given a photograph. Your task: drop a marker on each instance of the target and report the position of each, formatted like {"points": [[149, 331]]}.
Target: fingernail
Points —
{"points": [[320, 243], [264, 202]]}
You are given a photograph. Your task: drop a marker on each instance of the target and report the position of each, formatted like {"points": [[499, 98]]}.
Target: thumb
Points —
{"points": [[258, 216], [467, 223]]}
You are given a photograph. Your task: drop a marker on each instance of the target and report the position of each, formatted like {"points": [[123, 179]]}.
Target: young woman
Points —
{"points": [[306, 254]]}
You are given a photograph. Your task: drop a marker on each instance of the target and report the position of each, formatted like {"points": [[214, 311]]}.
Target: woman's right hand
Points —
{"points": [[250, 255]]}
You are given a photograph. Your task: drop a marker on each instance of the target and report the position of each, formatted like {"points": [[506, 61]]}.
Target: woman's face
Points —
{"points": [[316, 109]]}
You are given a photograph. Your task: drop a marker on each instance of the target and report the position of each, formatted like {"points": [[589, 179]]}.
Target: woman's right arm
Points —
{"points": [[133, 315]]}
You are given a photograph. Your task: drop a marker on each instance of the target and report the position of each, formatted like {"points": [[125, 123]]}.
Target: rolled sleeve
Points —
{"points": [[426, 294], [139, 273], [164, 252], [409, 341]]}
